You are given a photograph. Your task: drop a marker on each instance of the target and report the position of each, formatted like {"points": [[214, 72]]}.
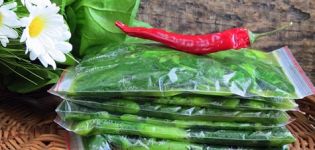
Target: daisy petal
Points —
{"points": [[29, 6], [43, 61], [64, 47], [4, 41], [24, 35], [10, 33], [35, 46], [11, 22], [24, 21], [48, 60], [47, 41], [32, 56], [41, 3], [9, 5], [57, 55], [53, 9], [67, 35]]}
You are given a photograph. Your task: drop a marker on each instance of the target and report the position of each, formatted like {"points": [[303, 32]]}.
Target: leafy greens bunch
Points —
{"points": [[45, 31]]}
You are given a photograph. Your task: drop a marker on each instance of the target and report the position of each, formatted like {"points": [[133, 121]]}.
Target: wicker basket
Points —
{"points": [[303, 128], [23, 127]]}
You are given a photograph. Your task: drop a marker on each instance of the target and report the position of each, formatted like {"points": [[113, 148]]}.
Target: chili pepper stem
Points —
{"points": [[255, 36]]}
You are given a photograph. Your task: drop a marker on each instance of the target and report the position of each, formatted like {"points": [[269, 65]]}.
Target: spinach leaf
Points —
{"points": [[96, 22]]}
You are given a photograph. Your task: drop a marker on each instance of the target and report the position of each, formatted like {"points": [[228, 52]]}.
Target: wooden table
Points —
{"points": [[204, 16]]}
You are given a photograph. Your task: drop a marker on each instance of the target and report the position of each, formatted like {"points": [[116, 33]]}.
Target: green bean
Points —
{"points": [[273, 137], [192, 113], [113, 142]]}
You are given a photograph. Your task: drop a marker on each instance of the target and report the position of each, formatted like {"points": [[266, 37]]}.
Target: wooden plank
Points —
{"points": [[204, 16]]}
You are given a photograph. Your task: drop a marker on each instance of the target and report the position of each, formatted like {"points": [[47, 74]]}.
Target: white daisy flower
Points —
{"points": [[36, 2], [46, 34], [8, 21]]}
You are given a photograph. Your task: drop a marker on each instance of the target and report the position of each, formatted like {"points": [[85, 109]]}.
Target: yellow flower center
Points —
{"points": [[1, 19], [36, 27]]}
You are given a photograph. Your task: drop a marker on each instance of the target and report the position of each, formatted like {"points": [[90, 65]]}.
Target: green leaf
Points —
{"points": [[96, 21], [71, 19], [70, 60], [66, 2], [138, 23], [20, 85], [20, 75]]}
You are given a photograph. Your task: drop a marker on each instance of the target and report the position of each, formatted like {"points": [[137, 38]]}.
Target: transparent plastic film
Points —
{"points": [[274, 137], [152, 70], [114, 142], [183, 113], [219, 102], [68, 111]]}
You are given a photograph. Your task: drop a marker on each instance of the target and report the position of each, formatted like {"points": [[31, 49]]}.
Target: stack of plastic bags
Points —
{"points": [[135, 96]]}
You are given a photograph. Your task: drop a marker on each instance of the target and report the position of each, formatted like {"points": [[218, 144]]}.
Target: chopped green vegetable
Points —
{"points": [[151, 70]]}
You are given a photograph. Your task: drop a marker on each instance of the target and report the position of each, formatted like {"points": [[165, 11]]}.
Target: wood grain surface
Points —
{"points": [[204, 16]]}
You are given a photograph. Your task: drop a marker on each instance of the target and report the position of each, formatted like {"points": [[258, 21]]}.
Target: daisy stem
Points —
{"points": [[18, 73], [72, 58], [17, 57], [12, 50], [25, 68]]}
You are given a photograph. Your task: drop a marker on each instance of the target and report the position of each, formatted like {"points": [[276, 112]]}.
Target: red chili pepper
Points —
{"points": [[235, 38]]}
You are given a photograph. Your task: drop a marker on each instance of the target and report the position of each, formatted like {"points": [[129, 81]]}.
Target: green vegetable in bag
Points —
{"points": [[114, 142], [151, 70], [220, 102], [69, 111], [182, 113], [275, 137]]}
